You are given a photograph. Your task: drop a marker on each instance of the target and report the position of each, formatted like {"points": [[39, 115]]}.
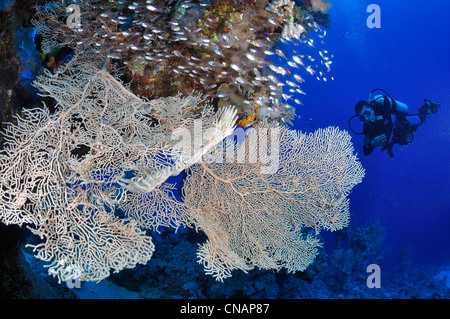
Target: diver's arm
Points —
{"points": [[369, 144], [367, 147]]}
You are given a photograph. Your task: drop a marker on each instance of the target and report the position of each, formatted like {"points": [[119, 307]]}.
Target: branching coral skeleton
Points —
{"points": [[60, 171], [67, 174], [262, 220]]}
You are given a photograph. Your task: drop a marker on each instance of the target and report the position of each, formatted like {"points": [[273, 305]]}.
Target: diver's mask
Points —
{"points": [[365, 116]]}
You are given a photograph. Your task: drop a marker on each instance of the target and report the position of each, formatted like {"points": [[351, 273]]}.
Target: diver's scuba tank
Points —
{"points": [[399, 107], [396, 107]]}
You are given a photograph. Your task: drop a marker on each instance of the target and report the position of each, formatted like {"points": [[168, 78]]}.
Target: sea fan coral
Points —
{"points": [[254, 218], [63, 173], [89, 175]]}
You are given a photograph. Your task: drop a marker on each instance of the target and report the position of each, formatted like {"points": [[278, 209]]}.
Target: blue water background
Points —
{"points": [[409, 58]]}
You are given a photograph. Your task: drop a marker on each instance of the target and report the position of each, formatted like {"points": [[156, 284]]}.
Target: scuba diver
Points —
{"points": [[387, 122]]}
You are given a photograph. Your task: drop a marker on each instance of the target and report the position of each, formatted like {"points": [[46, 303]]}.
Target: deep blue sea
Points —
{"points": [[408, 56]]}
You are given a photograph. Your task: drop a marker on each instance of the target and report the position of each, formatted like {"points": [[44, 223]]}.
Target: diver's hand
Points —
{"points": [[378, 141]]}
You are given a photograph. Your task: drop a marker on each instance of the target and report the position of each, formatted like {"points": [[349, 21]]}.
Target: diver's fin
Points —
{"points": [[431, 106]]}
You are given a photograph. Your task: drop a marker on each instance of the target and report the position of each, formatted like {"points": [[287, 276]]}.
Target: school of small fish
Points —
{"points": [[167, 33]]}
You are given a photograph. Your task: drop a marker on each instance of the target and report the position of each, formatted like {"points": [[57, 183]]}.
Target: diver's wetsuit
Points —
{"points": [[382, 125], [391, 124]]}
